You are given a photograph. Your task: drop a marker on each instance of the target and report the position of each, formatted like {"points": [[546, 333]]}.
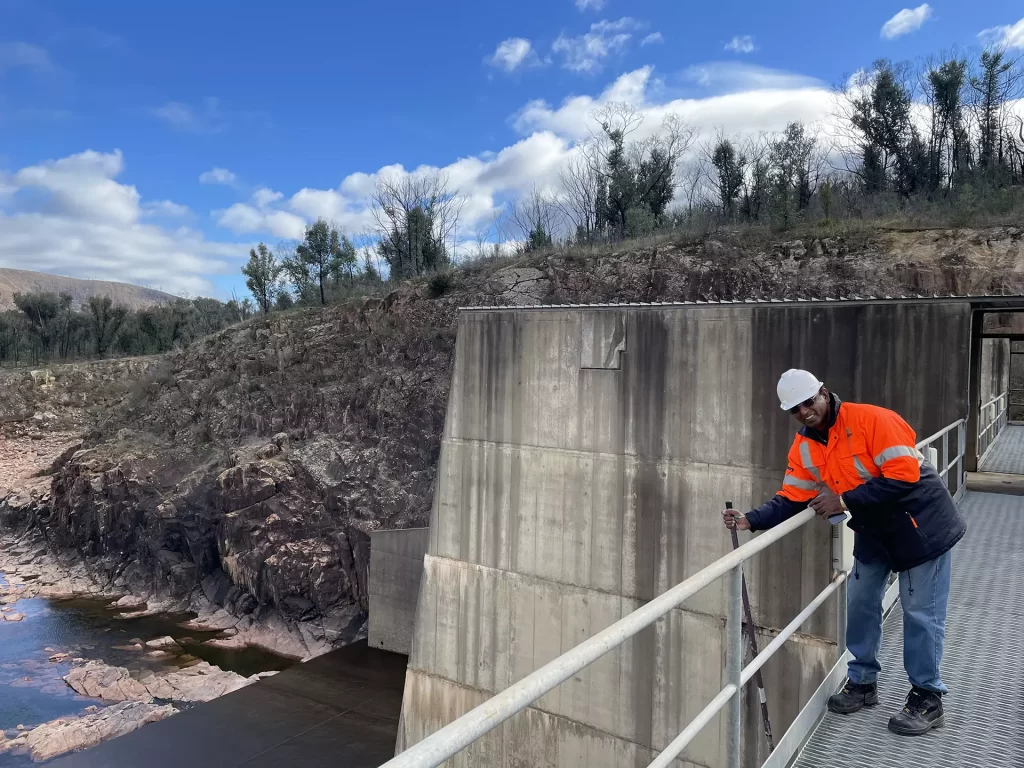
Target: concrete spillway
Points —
{"points": [[586, 456]]}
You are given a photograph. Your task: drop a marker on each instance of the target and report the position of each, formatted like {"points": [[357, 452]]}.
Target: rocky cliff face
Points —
{"points": [[246, 471]]}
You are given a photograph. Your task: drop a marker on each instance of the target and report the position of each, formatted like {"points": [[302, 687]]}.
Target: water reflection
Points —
{"points": [[32, 689]]}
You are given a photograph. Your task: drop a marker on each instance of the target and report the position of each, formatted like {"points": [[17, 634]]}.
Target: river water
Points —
{"points": [[32, 690]]}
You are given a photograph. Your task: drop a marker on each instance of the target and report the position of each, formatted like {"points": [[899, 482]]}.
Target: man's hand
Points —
{"points": [[826, 504], [733, 519]]}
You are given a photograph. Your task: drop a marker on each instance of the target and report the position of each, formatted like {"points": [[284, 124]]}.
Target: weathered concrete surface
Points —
{"points": [[995, 368], [1017, 381], [396, 566], [1004, 322], [587, 454], [993, 482]]}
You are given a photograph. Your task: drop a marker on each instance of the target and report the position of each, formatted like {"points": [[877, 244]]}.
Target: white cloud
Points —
{"points": [[747, 100], [731, 77], [264, 197], [218, 176], [590, 5], [84, 185], [1008, 36], [165, 208], [19, 55], [906, 21], [259, 216], [741, 44], [587, 52], [763, 100], [654, 37], [512, 54], [207, 118], [71, 216]]}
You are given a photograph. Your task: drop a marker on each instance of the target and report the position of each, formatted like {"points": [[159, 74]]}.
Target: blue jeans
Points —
{"points": [[924, 594]]}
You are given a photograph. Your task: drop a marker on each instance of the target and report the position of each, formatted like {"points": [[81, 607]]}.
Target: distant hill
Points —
{"points": [[14, 281]]}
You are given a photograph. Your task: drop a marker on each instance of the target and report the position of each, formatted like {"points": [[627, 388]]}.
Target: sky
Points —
{"points": [[156, 143]]}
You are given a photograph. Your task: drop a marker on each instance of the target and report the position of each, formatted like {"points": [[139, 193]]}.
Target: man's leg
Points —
{"points": [[924, 595], [865, 589]]}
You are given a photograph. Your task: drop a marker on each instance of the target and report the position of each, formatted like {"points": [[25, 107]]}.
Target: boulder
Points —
{"points": [[163, 644], [197, 683], [100, 681]]}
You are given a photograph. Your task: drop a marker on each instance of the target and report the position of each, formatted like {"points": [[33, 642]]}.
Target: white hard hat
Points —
{"points": [[796, 386]]}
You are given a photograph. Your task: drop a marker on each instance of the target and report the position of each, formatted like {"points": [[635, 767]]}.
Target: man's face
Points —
{"points": [[813, 413]]}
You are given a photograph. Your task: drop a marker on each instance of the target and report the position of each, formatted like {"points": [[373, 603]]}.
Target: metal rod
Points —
{"points": [[754, 667], [734, 667], [682, 741], [459, 734], [995, 399], [748, 620], [841, 617], [940, 433]]}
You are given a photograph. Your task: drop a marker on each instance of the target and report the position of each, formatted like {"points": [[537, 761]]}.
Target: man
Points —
{"points": [[861, 460]]}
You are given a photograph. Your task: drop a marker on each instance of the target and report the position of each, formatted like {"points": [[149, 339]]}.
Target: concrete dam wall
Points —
{"points": [[586, 457]]}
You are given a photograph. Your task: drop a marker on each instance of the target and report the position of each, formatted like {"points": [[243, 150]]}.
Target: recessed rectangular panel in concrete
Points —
{"points": [[396, 565]]}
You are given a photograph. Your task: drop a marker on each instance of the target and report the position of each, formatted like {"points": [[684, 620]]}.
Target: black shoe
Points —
{"points": [[853, 697], [922, 712]]}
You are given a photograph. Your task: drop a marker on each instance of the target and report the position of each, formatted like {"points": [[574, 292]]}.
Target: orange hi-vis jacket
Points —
{"points": [[900, 508], [864, 442]]}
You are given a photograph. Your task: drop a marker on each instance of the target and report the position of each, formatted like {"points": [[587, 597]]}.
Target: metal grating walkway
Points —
{"points": [[983, 663], [1007, 455]]}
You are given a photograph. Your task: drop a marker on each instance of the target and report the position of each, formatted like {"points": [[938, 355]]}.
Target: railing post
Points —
{"points": [[734, 667], [841, 621], [961, 468]]}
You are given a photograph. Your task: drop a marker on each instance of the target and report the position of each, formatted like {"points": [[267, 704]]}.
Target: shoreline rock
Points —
{"points": [[197, 683], [32, 570], [70, 734]]}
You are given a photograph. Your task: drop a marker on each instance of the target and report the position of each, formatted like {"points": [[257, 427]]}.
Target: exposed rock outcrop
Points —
{"points": [[197, 683], [69, 734]]}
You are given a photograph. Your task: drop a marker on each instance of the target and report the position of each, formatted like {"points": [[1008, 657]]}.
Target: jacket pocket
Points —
{"points": [[856, 462], [905, 538]]}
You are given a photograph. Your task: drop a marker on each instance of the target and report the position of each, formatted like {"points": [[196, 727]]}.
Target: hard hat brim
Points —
{"points": [[802, 397]]}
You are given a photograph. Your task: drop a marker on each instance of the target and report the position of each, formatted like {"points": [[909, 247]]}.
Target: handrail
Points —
{"points": [[922, 443], [995, 400], [992, 417], [460, 733]]}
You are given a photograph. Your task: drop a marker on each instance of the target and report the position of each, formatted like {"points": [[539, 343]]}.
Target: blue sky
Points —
{"points": [[156, 142]]}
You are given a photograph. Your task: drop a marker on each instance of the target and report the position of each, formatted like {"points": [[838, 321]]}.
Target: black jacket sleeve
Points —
{"points": [[875, 495], [772, 512]]}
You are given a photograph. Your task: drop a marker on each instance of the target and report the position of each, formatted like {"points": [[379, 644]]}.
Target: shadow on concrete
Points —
{"points": [[340, 709]]}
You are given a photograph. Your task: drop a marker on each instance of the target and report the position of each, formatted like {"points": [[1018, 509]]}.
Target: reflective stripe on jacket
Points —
{"points": [[900, 508], [865, 442]]}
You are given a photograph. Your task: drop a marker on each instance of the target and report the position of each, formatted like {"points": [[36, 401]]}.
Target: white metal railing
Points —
{"points": [[993, 416], [937, 451], [462, 732]]}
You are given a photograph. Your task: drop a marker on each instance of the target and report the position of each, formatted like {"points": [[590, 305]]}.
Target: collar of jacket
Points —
{"points": [[835, 405]]}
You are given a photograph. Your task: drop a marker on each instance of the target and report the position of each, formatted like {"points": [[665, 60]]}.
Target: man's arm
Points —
{"points": [[890, 441], [798, 488], [777, 510]]}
